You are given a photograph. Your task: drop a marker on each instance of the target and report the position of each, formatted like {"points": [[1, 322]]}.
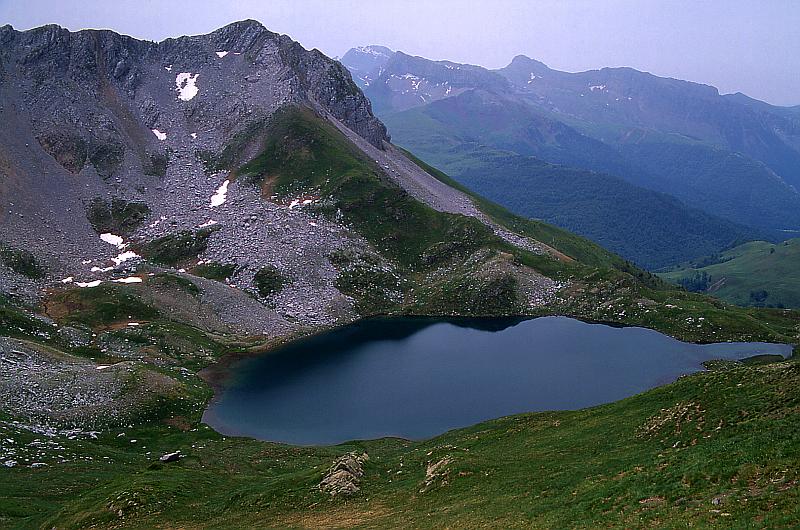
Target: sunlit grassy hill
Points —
{"points": [[756, 273]]}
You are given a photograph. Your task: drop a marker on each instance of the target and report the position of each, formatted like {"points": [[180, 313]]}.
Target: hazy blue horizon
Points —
{"points": [[734, 45]]}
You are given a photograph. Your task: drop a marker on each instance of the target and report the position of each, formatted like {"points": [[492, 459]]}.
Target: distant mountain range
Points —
{"points": [[732, 162]]}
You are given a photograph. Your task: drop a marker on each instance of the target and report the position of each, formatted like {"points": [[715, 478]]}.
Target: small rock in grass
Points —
{"points": [[170, 457]]}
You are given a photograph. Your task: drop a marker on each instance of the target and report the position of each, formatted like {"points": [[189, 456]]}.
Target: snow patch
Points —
{"points": [[221, 54], [125, 256], [193, 135], [68, 279], [597, 87], [168, 68], [160, 135], [118, 260], [94, 283], [415, 81], [221, 195], [208, 223], [370, 51], [129, 279], [186, 85], [533, 77], [300, 202], [115, 240]]}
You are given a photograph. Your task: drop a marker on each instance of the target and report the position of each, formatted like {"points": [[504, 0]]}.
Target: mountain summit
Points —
{"points": [[243, 158]]}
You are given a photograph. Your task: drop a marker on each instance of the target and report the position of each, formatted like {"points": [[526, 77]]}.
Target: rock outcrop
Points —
{"points": [[344, 476], [436, 473]]}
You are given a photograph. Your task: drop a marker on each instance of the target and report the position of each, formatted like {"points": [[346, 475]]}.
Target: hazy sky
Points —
{"points": [[752, 46]]}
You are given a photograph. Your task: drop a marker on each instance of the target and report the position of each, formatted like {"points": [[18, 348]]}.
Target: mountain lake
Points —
{"points": [[418, 377]]}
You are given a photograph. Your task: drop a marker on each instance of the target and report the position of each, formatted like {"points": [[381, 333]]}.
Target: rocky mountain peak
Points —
{"points": [[240, 35], [527, 62], [366, 63], [373, 50], [522, 71], [252, 68]]}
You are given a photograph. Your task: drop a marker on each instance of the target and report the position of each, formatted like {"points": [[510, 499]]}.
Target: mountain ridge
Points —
{"points": [[520, 69], [173, 145], [528, 120]]}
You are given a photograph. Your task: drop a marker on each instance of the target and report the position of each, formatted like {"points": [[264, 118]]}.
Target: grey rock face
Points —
{"points": [[94, 114]]}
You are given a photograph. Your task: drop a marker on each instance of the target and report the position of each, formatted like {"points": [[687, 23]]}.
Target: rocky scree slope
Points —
{"points": [[240, 157]]}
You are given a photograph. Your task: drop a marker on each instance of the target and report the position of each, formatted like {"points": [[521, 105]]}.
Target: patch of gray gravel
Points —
{"points": [[52, 389]]}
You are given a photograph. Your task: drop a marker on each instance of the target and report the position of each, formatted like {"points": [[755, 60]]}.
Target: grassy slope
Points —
{"points": [[658, 459], [303, 154], [754, 266]]}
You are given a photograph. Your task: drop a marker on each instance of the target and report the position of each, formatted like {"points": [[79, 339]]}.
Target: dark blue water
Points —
{"points": [[416, 378]]}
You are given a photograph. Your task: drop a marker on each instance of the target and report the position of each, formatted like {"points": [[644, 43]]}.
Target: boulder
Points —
{"points": [[344, 475]]}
